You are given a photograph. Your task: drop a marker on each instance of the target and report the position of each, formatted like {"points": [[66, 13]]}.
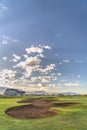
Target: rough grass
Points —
{"points": [[69, 118]]}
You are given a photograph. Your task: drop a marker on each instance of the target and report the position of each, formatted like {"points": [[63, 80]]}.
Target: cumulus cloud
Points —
{"points": [[27, 73], [29, 62], [34, 79], [33, 63], [41, 55], [46, 79], [48, 68], [25, 56], [7, 75], [54, 85], [30, 71], [42, 79], [16, 58], [34, 88], [34, 50], [38, 49], [46, 47], [71, 84], [33, 70]]}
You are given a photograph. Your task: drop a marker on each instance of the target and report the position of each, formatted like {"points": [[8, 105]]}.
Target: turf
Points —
{"points": [[69, 118]]}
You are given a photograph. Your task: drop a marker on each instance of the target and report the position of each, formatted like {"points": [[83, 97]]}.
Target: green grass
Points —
{"points": [[69, 118]]}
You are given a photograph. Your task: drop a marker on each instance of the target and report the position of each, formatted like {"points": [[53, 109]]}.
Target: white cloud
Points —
{"points": [[54, 87], [65, 61], [42, 79], [47, 47], [41, 55], [78, 76], [16, 58], [7, 75], [5, 40], [48, 68], [25, 56], [30, 65], [3, 7], [34, 50], [71, 84], [33, 63], [29, 70], [27, 73], [29, 62], [46, 79], [10, 39], [59, 74], [60, 63], [39, 88], [4, 58], [38, 49], [34, 79]]}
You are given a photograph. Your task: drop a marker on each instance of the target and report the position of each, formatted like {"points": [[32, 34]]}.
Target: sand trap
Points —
{"points": [[38, 108], [66, 104]]}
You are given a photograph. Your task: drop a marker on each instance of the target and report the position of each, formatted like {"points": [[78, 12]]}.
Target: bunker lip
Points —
{"points": [[39, 108], [67, 104]]}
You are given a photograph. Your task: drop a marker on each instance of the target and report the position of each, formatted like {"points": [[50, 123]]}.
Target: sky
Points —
{"points": [[43, 45]]}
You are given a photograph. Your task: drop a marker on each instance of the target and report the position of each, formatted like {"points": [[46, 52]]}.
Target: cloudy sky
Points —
{"points": [[43, 45]]}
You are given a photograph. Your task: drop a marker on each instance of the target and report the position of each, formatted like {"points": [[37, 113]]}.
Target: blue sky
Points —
{"points": [[43, 45]]}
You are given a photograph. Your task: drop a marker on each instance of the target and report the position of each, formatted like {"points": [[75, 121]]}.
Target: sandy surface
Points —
{"points": [[37, 108]]}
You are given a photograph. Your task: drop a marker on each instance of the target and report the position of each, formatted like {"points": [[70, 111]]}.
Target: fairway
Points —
{"points": [[69, 118]]}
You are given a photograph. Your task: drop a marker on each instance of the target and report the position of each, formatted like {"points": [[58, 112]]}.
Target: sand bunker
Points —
{"points": [[37, 108], [66, 104]]}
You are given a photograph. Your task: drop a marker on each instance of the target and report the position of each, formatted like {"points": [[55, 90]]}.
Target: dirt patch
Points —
{"points": [[66, 104], [37, 108]]}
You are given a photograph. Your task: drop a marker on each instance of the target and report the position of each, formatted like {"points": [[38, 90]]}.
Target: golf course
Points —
{"points": [[43, 113]]}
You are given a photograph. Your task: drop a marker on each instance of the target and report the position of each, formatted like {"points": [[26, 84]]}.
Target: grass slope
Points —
{"points": [[70, 118]]}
